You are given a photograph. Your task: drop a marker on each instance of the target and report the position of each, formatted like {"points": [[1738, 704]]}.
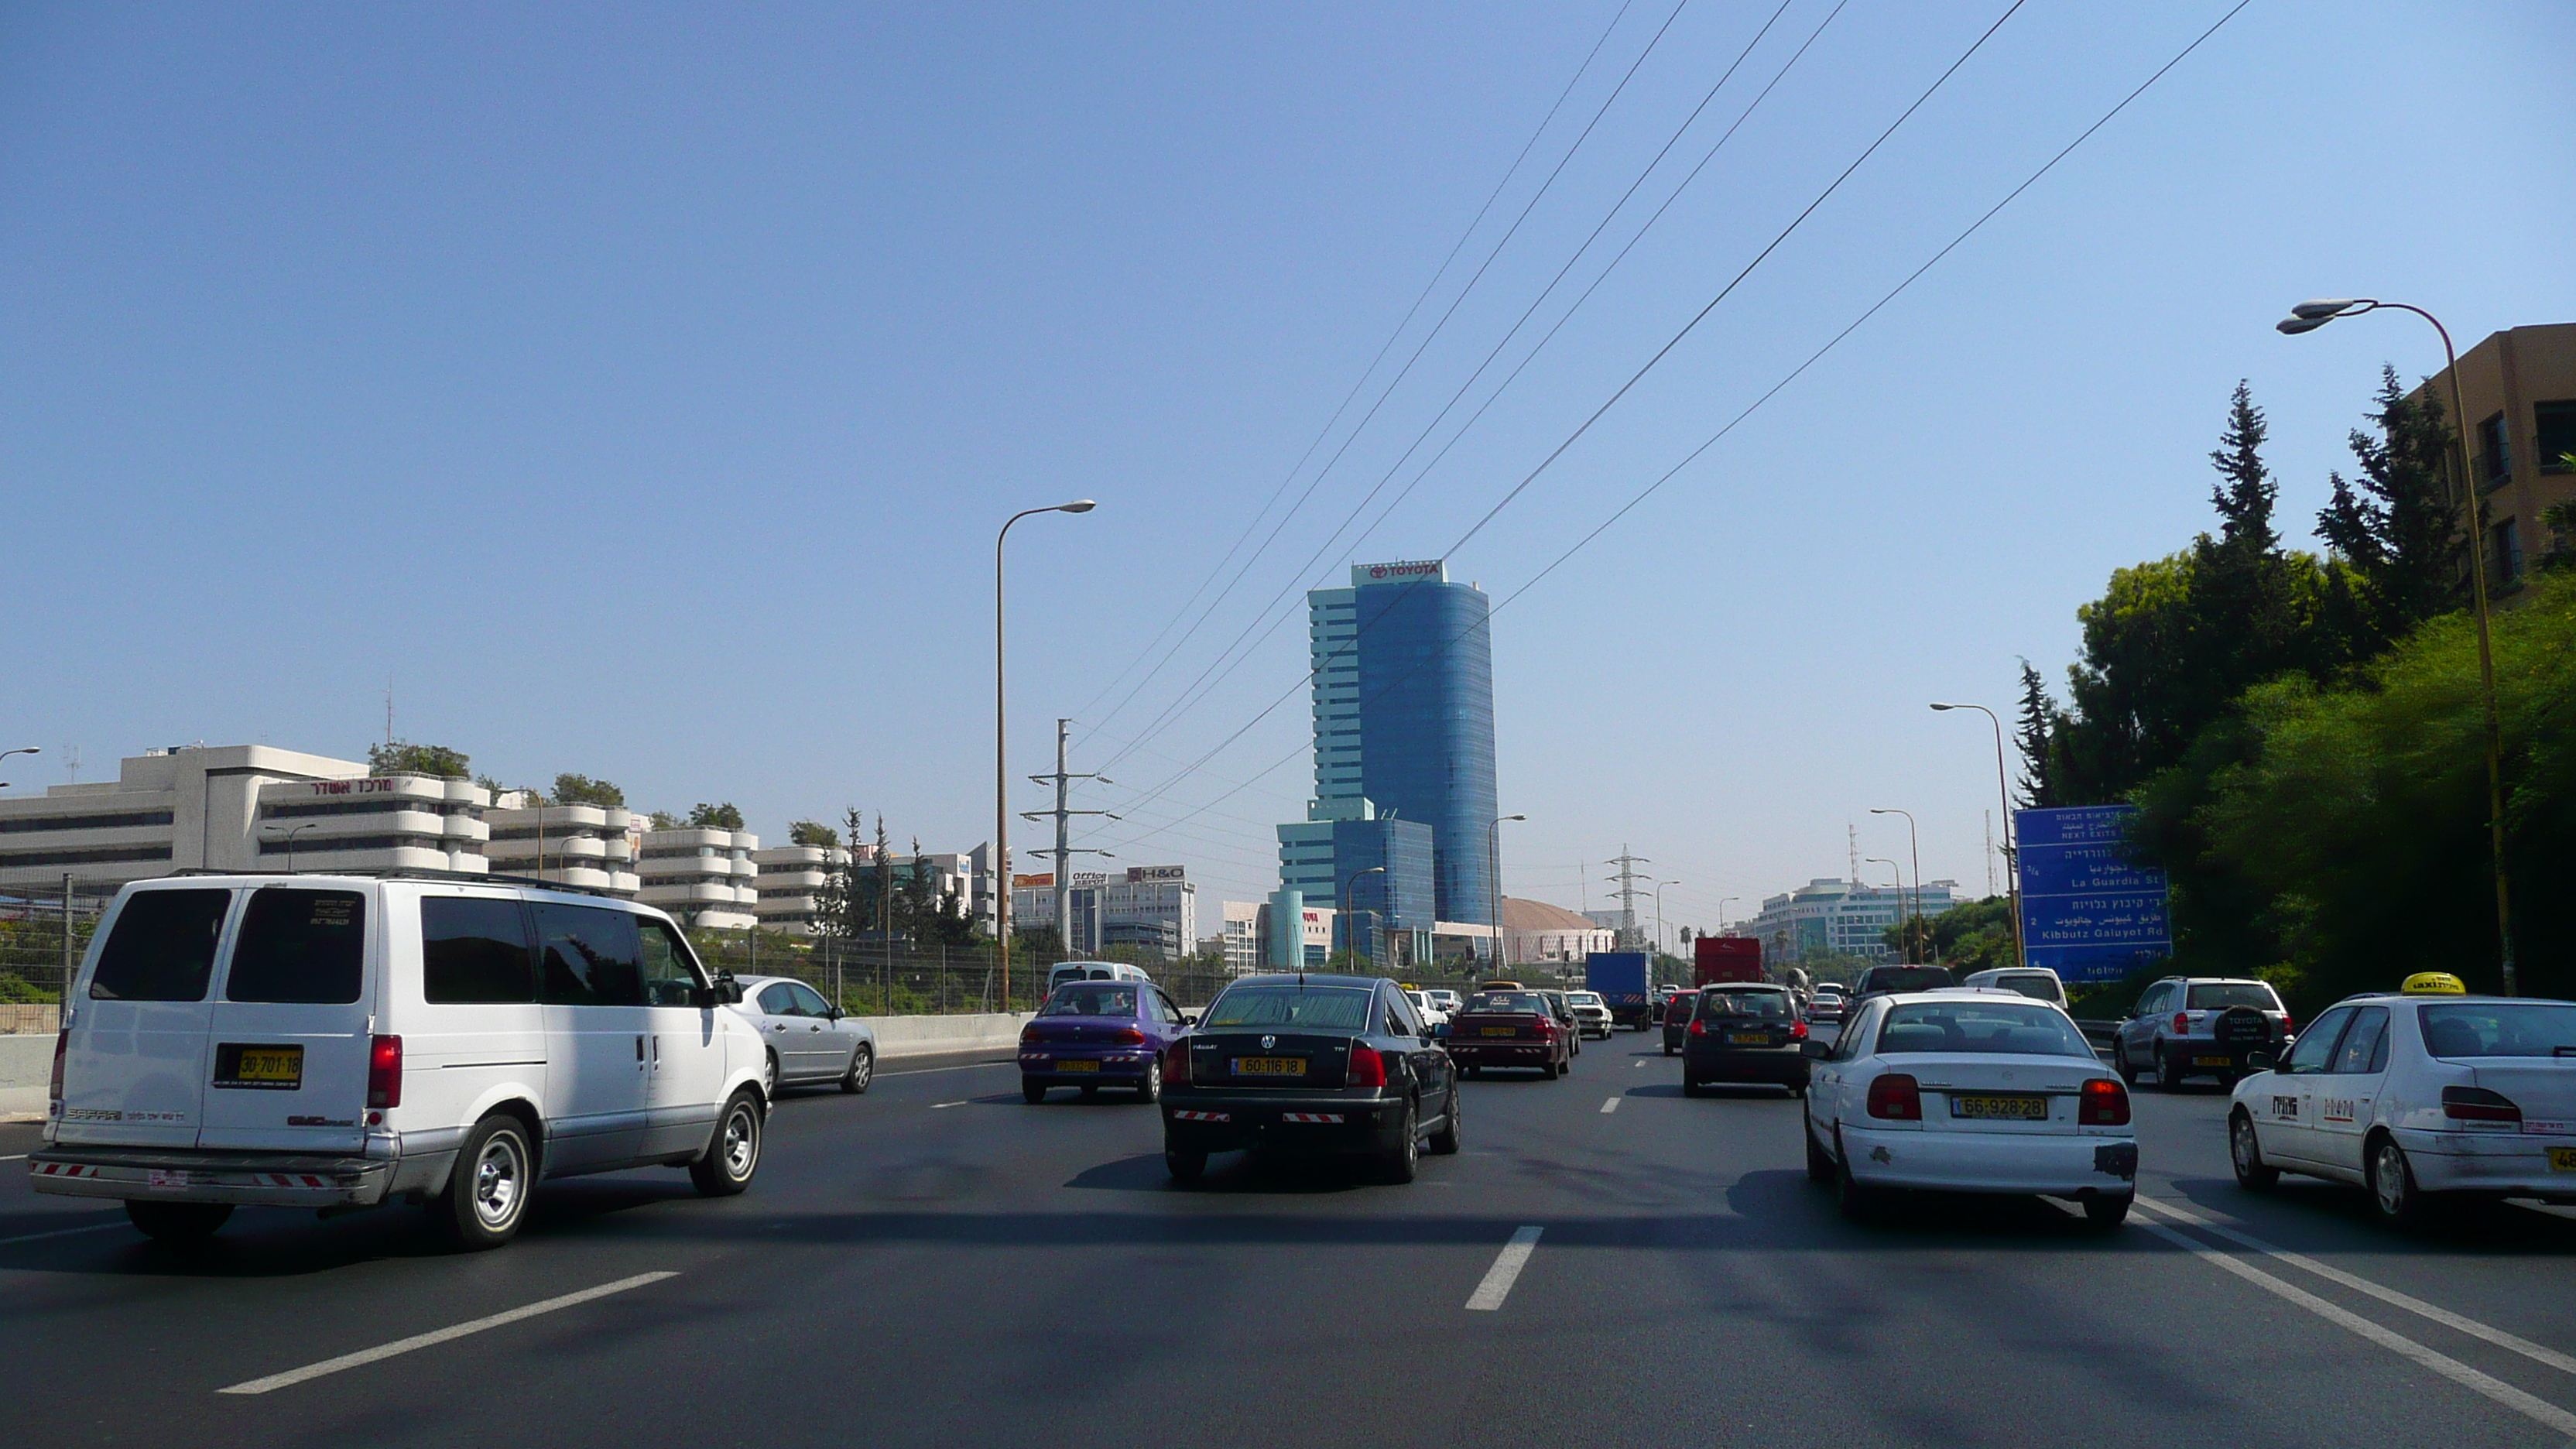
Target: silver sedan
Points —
{"points": [[809, 1039]]}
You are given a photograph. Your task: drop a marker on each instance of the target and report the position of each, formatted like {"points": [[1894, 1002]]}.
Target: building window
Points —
{"points": [[2504, 554], [2494, 462], [2553, 426]]}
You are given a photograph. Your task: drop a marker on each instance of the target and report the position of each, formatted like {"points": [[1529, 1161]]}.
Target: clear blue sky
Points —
{"points": [[639, 387]]}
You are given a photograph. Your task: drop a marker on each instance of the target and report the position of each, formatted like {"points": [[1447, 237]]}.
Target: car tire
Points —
{"points": [[487, 1190], [2105, 1213], [2120, 1064], [1403, 1161], [1184, 1166], [1692, 1089], [1032, 1091], [863, 1070], [1669, 1049], [2245, 1154], [1473, 1074], [2168, 1071], [1820, 1163], [769, 1076], [1451, 1137], [732, 1157], [2394, 1197], [1151, 1089], [1089, 1092], [179, 1224], [1859, 1203]]}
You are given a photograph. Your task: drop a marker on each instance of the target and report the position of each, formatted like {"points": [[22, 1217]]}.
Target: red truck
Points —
{"points": [[1726, 958]]}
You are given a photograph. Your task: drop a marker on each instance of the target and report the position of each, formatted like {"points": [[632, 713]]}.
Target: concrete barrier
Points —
{"points": [[920, 1036], [26, 1061]]}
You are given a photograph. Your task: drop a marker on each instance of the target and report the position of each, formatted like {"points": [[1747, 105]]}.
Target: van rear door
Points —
{"points": [[135, 1071], [288, 1032]]}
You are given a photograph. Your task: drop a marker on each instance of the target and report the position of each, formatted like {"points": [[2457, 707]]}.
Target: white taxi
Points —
{"points": [[1968, 1090], [2413, 1096]]}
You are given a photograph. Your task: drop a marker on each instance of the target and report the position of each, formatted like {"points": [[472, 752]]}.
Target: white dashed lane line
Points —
{"points": [[63, 1232], [935, 1106], [1610, 1104], [434, 1337], [1489, 1295]]}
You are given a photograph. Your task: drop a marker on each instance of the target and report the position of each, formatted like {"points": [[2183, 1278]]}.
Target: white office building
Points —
{"points": [[1240, 937], [1839, 917], [237, 807], [791, 880], [704, 877], [1151, 907], [591, 846]]}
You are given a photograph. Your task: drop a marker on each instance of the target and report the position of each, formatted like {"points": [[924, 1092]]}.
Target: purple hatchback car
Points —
{"points": [[1095, 1034]]}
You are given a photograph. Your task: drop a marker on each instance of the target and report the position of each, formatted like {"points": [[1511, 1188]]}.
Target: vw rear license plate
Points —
{"points": [[2562, 1159], [1064, 1066], [2008, 1109], [268, 1068], [1501, 1031], [1270, 1066], [2213, 1061], [1748, 1038]]}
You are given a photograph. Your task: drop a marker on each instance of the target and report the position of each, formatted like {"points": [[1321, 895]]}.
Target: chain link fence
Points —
{"points": [[42, 936]]}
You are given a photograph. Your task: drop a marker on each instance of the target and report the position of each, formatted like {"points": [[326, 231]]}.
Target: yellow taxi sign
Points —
{"points": [[2433, 983]]}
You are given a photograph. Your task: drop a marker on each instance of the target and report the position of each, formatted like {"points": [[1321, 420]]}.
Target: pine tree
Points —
{"points": [[2397, 530], [2245, 491], [2036, 737]]}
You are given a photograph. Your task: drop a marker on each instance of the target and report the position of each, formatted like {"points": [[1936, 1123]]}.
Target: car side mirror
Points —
{"points": [[703, 996], [1439, 1031], [833, 1013], [728, 990], [2260, 1061], [1188, 1020], [1814, 1051]]}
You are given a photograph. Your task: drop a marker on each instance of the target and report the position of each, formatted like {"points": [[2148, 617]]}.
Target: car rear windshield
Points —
{"points": [[1324, 1008], [2222, 995], [2501, 1029], [1090, 998], [300, 946], [163, 947], [1906, 978], [1981, 1026], [1583, 998], [2038, 988], [1526, 1001], [1745, 1003]]}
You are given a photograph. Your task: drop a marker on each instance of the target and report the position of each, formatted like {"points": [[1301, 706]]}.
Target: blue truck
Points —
{"points": [[1624, 985]]}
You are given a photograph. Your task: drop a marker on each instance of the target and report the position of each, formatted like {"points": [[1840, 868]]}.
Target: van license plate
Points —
{"points": [[2562, 1159], [259, 1068], [2009, 1109]]}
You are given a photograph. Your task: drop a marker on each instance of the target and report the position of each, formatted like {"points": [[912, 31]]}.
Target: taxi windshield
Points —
{"points": [[1090, 998], [1529, 1001], [2501, 1029], [1981, 1026], [1337, 1008]]}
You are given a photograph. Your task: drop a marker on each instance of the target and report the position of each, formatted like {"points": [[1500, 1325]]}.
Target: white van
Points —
{"points": [[2039, 983], [333, 1041], [1065, 971]]}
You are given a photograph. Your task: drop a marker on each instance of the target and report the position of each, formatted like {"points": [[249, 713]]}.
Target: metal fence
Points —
{"points": [[42, 936]]}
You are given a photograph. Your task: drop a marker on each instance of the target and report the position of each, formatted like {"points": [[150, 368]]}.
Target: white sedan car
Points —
{"points": [[1968, 1091], [808, 1040], [1426, 1004], [2416, 1096], [1591, 1013]]}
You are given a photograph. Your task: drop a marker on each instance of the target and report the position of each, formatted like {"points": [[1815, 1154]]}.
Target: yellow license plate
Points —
{"points": [[2213, 1061], [1999, 1108], [278, 1068], [1748, 1038], [1270, 1066], [1500, 1031], [1077, 1066], [2562, 1159]]}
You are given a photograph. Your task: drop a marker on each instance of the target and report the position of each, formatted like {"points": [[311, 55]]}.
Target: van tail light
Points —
{"points": [[1896, 1096], [1128, 1036], [1699, 1028], [2182, 1023], [62, 1050], [384, 1072], [1368, 1069], [1797, 1031], [2102, 1103], [1176, 1064], [2477, 1104]]}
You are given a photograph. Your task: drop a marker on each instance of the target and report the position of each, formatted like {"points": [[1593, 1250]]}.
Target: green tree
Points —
{"points": [[583, 790], [663, 820], [703, 816], [812, 832], [401, 757], [2036, 737], [1970, 936], [2397, 530]]}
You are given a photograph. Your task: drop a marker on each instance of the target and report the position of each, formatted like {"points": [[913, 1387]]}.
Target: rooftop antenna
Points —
{"points": [[1852, 833], [389, 711], [1990, 852], [71, 763]]}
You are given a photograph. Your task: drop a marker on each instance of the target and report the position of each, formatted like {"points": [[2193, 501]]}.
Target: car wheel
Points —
{"points": [[1404, 1159], [2393, 1193], [1184, 1166], [1668, 1049], [1473, 1074], [1151, 1089], [1032, 1091], [2245, 1153], [1820, 1163], [2120, 1063], [733, 1155], [1797, 1091], [1693, 1089], [2168, 1071], [1451, 1136], [769, 1076], [1858, 1202], [1088, 1091], [863, 1069], [487, 1189], [2106, 1213], [180, 1224]]}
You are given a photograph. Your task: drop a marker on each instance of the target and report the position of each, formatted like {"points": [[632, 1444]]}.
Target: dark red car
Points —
{"points": [[1510, 1029]]}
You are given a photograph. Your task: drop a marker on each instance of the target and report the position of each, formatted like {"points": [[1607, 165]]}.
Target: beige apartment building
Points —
{"points": [[2519, 389]]}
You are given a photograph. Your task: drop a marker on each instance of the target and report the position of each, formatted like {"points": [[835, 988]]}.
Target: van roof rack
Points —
{"points": [[414, 872]]}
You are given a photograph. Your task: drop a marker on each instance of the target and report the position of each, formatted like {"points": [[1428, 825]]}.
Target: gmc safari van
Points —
{"points": [[340, 1041]]}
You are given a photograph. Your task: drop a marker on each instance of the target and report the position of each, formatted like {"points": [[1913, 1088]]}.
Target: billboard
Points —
{"points": [[1138, 874], [2087, 913]]}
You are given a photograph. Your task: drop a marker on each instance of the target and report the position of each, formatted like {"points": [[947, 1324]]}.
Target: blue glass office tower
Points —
{"points": [[1404, 735]]}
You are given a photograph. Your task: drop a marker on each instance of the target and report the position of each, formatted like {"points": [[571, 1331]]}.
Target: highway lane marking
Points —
{"points": [[59, 1233], [2443, 1316], [2527, 1405], [959, 1067], [434, 1337], [1641, 1066], [1489, 1294], [1610, 1105], [960, 1102], [14, 1157]]}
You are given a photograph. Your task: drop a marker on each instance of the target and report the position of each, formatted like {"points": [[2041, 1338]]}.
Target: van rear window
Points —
{"points": [[474, 949], [162, 948], [300, 946]]}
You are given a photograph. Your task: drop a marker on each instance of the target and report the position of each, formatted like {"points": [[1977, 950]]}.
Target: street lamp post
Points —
{"points": [[1348, 934], [1721, 912], [1914, 847], [1001, 758], [1899, 872], [2308, 317], [2012, 857], [1502, 938], [1659, 912], [289, 837], [26, 750]]}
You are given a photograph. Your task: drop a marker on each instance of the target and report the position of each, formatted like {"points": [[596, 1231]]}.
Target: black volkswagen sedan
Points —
{"points": [[1328, 1064], [1744, 1032]]}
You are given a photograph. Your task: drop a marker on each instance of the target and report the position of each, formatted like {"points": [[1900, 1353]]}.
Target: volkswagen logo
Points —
{"points": [[1268, 1042]]}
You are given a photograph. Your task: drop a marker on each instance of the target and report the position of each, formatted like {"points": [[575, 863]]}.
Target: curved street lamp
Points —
{"points": [[1659, 913], [2012, 857], [1001, 769], [289, 837], [1349, 937], [1914, 847], [2308, 317], [1502, 938]]}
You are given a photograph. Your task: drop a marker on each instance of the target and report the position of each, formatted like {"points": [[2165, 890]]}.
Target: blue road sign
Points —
{"points": [[2086, 912]]}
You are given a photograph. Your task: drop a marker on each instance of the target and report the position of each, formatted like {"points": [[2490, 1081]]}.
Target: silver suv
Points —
{"points": [[2200, 1026]]}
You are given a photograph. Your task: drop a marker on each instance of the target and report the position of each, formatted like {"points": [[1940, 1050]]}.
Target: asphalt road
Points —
{"points": [[937, 1263]]}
